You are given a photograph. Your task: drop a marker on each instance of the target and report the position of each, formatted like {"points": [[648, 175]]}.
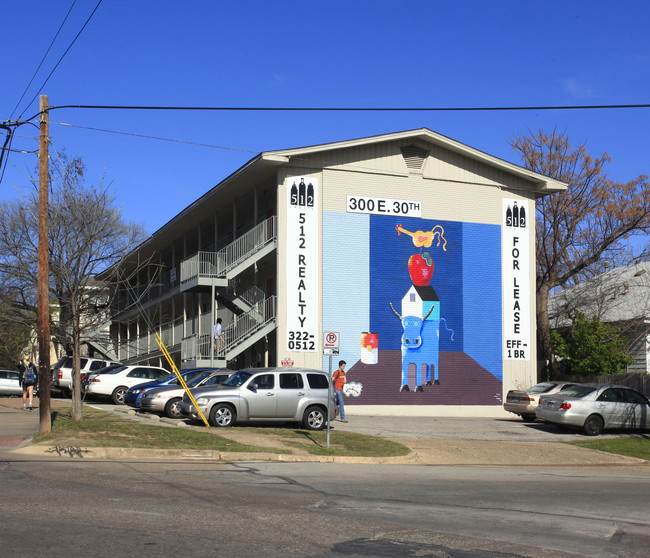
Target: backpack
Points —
{"points": [[30, 376]]}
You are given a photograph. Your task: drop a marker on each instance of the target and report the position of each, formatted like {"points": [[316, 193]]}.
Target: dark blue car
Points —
{"points": [[134, 394]]}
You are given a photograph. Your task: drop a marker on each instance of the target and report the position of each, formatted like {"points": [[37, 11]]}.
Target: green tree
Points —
{"points": [[591, 347]]}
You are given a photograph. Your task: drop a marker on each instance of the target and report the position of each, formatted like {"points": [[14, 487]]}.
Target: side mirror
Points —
{"points": [[253, 386]]}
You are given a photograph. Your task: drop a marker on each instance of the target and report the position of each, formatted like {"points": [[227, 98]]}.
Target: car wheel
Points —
{"points": [[171, 409], [528, 418], [593, 425], [118, 395], [314, 418], [222, 415]]}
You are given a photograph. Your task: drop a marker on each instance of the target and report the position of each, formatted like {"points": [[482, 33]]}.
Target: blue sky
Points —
{"points": [[319, 54]]}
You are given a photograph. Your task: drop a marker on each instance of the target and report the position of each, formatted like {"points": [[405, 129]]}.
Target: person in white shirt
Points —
{"points": [[219, 340]]}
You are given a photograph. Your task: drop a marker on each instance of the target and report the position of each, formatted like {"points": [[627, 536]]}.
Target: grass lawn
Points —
{"points": [[102, 429], [637, 445]]}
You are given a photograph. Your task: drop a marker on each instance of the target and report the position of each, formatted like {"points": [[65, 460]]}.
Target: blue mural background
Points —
{"points": [[368, 269]]}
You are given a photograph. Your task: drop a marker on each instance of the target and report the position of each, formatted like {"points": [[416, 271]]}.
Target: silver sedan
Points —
{"points": [[524, 402], [166, 399], [595, 408]]}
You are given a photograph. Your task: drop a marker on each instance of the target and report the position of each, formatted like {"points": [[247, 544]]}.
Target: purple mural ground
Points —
{"points": [[462, 382]]}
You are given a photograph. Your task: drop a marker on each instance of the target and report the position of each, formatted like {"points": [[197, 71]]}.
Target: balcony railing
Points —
{"points": [[200, 347], [209, 265]]}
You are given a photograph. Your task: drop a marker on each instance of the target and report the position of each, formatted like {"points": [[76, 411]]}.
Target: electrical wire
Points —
{"points": [[62, 57], [44, 57], [153, 137], [349, 109]]}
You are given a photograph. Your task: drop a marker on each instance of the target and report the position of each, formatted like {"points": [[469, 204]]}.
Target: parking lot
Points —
{"points": [[451, 428]]}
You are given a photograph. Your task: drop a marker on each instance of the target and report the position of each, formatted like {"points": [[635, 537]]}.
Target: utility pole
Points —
{"points": [[44, 270]]}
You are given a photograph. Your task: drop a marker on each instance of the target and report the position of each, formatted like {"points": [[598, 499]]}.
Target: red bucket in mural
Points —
{"points": [[369, 348]]}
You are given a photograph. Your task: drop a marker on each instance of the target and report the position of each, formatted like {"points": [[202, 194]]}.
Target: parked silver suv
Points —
{"points": [[264, 394]]}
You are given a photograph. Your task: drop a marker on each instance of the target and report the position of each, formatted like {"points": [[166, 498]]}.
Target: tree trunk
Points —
{"points": [[544, 347], [76, 370]]}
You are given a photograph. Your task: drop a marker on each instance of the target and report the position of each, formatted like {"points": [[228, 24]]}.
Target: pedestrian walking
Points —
{"points": [[28, 381], [339, 377], [219, 340]]}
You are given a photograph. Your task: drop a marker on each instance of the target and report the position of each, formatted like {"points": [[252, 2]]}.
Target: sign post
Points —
{"points": [[331, 348]]}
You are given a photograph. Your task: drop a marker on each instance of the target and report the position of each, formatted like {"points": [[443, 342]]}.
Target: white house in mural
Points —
{"points": [[330, 238]]}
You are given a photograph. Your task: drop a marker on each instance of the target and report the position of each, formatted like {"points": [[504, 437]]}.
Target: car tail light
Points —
{"points": [[565, 406], [96, 380], [526, 398], [60, 374]]}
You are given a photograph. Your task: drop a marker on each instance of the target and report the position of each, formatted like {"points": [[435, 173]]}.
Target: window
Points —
{"points": [[265, 381], [578, 391], [291, 381], [97, 364], [632, 396], [155, 374], [317, 381], [138, 373], [216, 379], [612, 395]]}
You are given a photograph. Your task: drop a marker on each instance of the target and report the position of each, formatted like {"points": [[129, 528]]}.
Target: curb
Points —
{"points": [[78, 452]]}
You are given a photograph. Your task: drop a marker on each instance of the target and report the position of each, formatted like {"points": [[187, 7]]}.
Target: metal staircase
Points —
{"points": [[253, 314], [245, 330]]}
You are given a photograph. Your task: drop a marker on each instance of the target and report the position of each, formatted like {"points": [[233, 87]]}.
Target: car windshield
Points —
{"points": [[65, 362], [237, 379], [116, 370], [578, 391], [544, 387], [107, 369], [196, 381]]}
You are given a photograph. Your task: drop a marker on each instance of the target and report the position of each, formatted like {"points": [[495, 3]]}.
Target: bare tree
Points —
{"points": [[87, 236], [593, 219]]}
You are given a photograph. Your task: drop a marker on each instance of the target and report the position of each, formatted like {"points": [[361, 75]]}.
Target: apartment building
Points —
{"points": [[409, 255]]}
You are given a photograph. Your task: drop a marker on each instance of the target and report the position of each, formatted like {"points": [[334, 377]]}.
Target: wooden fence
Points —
{"points": [[639, 382]]}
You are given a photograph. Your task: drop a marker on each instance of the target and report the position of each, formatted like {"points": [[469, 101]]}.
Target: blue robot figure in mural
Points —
{"points": [[420, 338]]}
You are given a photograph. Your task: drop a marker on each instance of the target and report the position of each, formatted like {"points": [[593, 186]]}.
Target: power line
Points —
{"points": [[154, 137], [62, 57], [350, 109], [43, 59]]}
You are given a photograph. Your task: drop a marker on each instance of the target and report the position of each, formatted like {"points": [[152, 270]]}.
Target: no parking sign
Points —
{"points": [[331, 343]]}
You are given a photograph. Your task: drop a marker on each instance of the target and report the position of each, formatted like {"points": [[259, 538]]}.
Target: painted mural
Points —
{"points": [[418, 307]]}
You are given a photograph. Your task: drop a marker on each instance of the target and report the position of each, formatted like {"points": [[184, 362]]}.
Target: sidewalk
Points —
{"points": [[455, 442]]}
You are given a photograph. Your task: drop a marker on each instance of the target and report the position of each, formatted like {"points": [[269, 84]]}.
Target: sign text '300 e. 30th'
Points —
{"points": [[384, 206], [303, 266]]}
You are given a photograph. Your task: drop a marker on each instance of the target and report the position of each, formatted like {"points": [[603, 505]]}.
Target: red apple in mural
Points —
{"points": [[421, 269]]}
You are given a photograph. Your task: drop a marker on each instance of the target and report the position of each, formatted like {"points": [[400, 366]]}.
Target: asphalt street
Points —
{"points": [[139, 507]]}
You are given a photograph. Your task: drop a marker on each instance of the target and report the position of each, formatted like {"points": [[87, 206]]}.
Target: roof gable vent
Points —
{"points": [[414, 157]]}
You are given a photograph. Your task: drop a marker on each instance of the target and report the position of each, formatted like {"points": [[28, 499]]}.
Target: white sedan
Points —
{"points": [[10, 383], [117, 381]]}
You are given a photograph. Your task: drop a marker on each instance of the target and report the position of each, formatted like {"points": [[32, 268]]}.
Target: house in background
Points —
{"points": [[620, 297], [300, 247]]}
